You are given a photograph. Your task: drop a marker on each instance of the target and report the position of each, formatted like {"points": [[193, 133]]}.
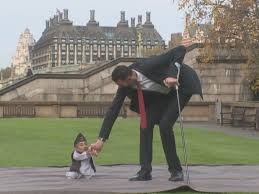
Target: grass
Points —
{"points": [[48, 142]]}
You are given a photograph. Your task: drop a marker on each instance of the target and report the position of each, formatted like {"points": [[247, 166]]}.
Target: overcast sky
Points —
{"points": [[16, 15]]}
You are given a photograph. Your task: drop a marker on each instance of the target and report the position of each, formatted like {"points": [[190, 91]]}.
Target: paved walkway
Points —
{"points": [[250, 133]]}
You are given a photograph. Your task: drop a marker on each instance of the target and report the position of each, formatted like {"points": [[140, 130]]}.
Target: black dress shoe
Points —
{"points": [[141, 176], [177, 176]]}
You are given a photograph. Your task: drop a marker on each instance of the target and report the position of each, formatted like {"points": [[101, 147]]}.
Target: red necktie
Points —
{"points": [[142, 111]]}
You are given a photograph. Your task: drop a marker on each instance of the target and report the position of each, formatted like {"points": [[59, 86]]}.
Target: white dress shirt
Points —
{"points": [[147, 84]]}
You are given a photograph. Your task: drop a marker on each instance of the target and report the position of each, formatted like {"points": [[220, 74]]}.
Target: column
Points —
{"points": [[99, 51], [130, 51], [107, 52], [122, 51], [91, 53], [67, 57], [75, 57], [114, 51], [59, 54], [83, 55]]}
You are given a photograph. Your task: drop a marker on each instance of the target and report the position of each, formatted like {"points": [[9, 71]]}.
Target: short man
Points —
{"points": [[82, 162], [150, 84]]}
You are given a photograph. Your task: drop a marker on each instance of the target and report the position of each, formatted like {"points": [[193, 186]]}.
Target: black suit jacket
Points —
{"points": [[156, 68]]}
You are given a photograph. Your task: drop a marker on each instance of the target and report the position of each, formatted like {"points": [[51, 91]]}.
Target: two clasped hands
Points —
{"points": [[95, 148]]}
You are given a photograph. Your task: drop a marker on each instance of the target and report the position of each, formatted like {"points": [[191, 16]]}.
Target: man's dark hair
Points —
{"points": [[121, 72]]}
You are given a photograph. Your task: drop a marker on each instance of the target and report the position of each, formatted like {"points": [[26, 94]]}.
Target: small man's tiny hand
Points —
{"points": [[171, 82], [92, 151], [96, 147]]}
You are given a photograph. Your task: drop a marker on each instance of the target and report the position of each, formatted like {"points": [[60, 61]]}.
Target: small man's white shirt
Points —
{"points": [[85, 169]]}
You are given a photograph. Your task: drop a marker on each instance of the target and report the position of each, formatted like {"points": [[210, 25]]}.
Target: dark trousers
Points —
{"points": [[163, 112]]}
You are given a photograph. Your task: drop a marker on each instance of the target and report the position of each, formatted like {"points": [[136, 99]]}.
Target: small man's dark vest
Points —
{"points": [[75, 166]]}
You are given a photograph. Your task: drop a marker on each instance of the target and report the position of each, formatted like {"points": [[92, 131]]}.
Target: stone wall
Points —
{"points": [[96, 87], [193, 112], [222, 80]]}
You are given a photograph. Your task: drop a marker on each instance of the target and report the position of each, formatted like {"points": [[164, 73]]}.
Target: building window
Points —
{"points": [[103, 48], [63, 47], [63, 57], [79, 47]]}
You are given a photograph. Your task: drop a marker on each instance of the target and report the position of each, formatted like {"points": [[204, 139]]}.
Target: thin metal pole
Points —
{"points": [[181, 126], [183, 139]]}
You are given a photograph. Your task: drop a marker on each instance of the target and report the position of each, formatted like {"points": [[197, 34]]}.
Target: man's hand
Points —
{"points": [[171, 82], [96, 147]]}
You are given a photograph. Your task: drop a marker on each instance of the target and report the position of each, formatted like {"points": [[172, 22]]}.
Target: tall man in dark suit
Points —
{"points": [[150, 85]]}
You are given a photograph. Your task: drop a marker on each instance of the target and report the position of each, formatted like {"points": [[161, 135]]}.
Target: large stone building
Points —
{"points": [[63, 44], [22, 58], [176, 40], [193, 33]]}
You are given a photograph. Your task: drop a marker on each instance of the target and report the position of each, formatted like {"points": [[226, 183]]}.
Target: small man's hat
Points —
{"points": [[80, 137]]}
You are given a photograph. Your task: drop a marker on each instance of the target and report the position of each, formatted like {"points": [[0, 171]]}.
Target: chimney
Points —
{"points": [[47, 24], [92, 15], [55, 19], [60, 16], [65, 14], [148, 17], [133, 22], [123, 16], [140, 20], [51, 22]]}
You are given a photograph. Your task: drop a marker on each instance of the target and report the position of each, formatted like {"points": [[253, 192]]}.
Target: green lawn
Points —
{"points": [[48, 142]]}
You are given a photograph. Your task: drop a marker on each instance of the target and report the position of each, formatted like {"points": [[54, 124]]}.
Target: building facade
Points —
{"points": [[63, 44], [22, 58], [176, 40], [193, 33]]}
